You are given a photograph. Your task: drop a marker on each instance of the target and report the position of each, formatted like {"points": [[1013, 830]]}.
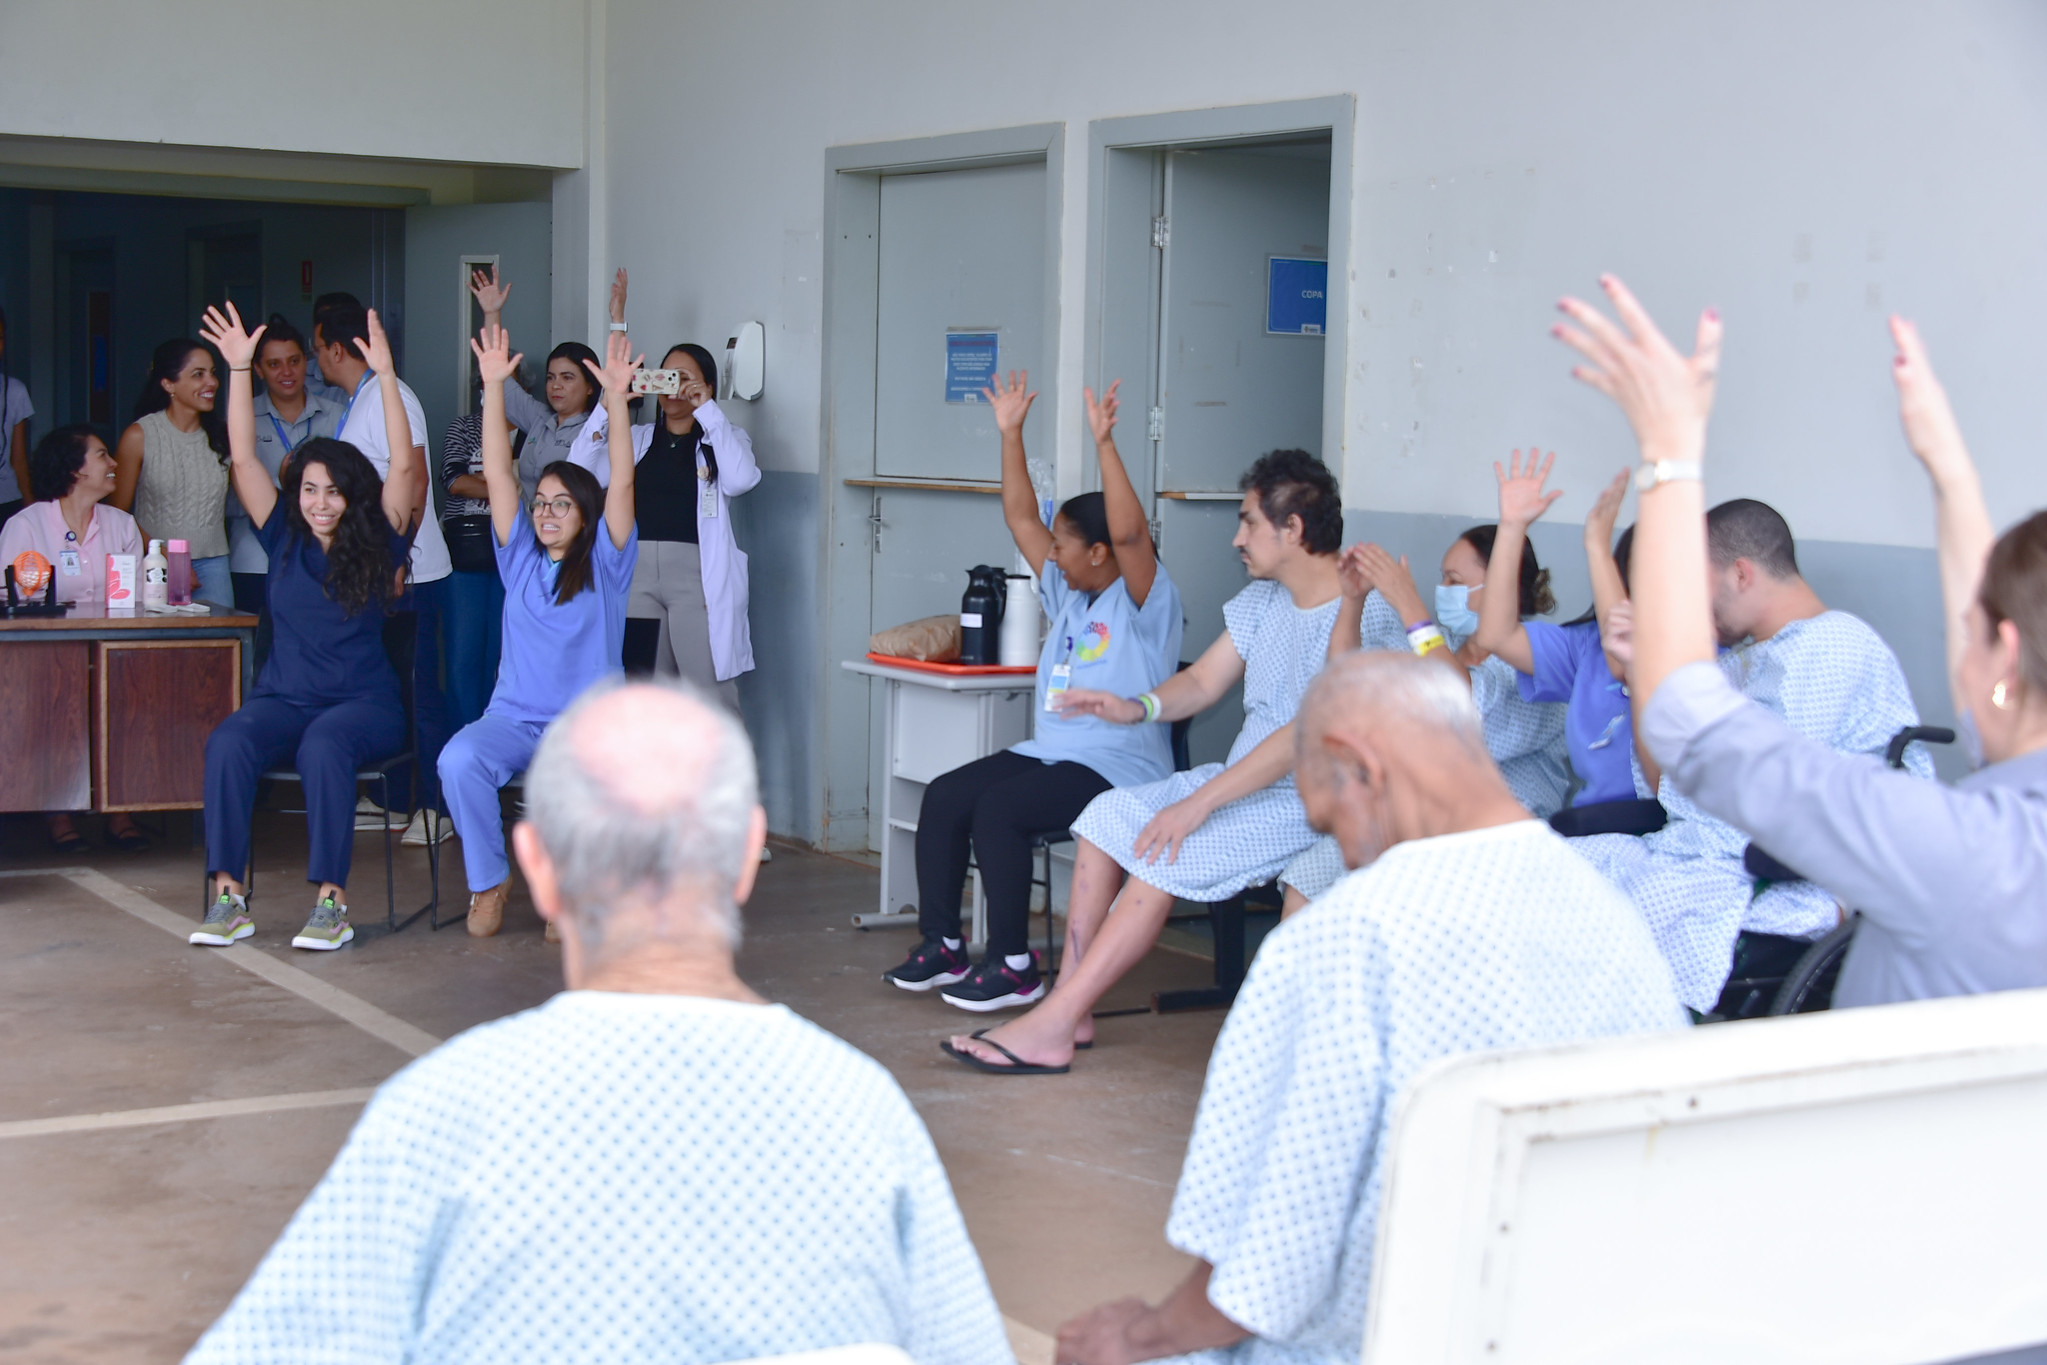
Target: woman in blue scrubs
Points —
{"points": [[337, 538], [567, 567]]}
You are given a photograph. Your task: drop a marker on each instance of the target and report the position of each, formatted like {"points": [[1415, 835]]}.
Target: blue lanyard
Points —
{"points": [[342, 425], [285, 436]]}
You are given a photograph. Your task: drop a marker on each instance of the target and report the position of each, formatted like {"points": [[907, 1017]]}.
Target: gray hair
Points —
{"points": [[642, 790], [1393, 687]]}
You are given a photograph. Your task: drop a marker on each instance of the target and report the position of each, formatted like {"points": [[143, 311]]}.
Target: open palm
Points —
{"points": [[1521, 497]]}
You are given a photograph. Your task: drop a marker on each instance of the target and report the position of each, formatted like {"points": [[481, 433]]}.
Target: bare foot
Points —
{"points": [[1036, 1038]]}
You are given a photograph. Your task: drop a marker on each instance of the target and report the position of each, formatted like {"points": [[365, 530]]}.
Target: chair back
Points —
{"points": [[1183, 757], [1855, 1187]]}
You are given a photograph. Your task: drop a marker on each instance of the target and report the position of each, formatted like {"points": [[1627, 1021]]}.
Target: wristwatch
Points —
{"points": [[1654, 473]]}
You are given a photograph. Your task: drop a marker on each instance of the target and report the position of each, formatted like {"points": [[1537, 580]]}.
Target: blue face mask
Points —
{"points": [[1453, 610]]}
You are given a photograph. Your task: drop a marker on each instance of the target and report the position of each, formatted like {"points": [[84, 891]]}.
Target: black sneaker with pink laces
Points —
{"points": [[931, 964], [995, 985]]}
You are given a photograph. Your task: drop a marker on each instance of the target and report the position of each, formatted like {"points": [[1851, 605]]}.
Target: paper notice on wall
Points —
{"points": [[970, 365]]}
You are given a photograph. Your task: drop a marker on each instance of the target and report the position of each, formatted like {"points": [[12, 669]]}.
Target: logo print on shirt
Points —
{"points": [[1094, 642]]}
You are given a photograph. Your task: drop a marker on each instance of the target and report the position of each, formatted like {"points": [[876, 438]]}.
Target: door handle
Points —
{"points": [[875, 522]]}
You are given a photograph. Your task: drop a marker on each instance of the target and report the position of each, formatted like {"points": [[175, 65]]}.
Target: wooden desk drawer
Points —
{"points": [[46, 757], [155, 702]]}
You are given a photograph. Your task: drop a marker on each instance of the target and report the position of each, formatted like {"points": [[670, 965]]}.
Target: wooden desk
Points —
{"points": [[935, 722], [110, 712]]}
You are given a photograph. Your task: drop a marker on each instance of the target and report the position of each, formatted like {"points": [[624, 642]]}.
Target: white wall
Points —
{"points": [[1804, 168], [492, 81]]}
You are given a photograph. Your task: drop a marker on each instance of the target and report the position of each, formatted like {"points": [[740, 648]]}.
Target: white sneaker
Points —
{"points": [[416, 832], [766, 855], [370, 815]]}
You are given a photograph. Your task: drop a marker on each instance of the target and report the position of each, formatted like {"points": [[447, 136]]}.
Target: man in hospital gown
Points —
{"points": [[1469, 926], [655, 1165], [1832, 679]]}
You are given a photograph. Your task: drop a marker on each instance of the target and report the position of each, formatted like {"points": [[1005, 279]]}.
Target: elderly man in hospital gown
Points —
{"points": [[1467, 926], [1833, 679], [654, 1165]]}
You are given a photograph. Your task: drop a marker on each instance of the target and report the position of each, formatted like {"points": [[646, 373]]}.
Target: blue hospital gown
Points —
{"points": [[1526, 740], [616, 1177], [1247, 842], [1833, 680], [1488, 939]]}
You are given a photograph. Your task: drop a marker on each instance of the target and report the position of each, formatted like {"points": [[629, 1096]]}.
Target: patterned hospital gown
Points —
{"points": [[616, 1177], [1526, 740], [1832, 679], [1494, 938], [1247, 842]]}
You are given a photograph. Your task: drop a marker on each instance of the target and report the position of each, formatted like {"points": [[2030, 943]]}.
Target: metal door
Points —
{"points": [[441, 245]]}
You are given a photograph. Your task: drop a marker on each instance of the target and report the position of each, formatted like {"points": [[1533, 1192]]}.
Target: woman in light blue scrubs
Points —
{"points": [[567, 568], [1116, 624]]}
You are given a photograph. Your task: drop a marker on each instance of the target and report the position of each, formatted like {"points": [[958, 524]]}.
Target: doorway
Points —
{"points": [[1217, 296]]}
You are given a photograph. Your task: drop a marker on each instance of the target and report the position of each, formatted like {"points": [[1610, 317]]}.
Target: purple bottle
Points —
{"points": [[179, 552]]}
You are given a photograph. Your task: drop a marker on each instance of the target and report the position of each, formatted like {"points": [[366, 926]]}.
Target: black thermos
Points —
{"points": [[981, 616]]}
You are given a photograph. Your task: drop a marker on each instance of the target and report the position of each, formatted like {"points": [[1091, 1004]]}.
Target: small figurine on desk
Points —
{"points": [[28, 574]]}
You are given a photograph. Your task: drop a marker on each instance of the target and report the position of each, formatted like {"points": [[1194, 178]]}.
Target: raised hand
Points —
{"points": [[490, 295], [1353, 581], [1666, 396], [494, 359], [1101, 417], [1923, 405], [1606, 510], [1086, 701], [1010, 401], [376, 352], [618, 296], [1521, 497], [225, 335], [615, 376], [1394, 581]]}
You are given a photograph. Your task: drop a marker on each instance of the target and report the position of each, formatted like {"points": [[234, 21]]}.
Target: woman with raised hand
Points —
{"points": [[1950, 882], [567, 568], [327, 699], [1571, 663], [1116, 628], [551, 427]]}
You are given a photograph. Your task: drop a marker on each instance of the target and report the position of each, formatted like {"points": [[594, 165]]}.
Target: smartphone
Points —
{"points": [[668, 382]]}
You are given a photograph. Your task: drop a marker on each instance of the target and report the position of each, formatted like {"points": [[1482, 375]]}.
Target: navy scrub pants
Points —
{"points": [[327, 744]]}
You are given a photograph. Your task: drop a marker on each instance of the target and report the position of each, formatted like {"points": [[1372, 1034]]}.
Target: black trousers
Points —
{"points": [[995, 804]]}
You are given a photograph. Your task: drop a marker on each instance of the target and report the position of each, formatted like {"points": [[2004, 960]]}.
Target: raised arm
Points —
{"points": [[1019, 500], [404, 480], [522, 409], [616, 379], [1608, 592], [496, 363], [1522, 501], [1666, 398], [1137, 559], [253, 484], [1961, 520], [1394, 581]]}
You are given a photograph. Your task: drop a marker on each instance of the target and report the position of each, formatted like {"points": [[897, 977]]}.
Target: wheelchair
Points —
{"points": [[1775, 975]]}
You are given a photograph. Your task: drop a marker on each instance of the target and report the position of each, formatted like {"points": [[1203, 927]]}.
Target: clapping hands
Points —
{"points": [[1365, 567]]}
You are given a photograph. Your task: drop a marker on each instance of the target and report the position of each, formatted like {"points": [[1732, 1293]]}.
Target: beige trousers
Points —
{"points": [[668, 586]]}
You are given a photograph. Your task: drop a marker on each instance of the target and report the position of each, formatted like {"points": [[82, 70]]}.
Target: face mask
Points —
{"points": [[1972, 739], [1453, 610]]}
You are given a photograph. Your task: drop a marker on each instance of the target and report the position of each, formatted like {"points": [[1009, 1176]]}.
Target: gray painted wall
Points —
{"points": [[775, 525]]}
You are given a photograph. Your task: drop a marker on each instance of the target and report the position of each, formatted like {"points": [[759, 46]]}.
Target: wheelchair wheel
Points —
{"points": [[1810, 985]]}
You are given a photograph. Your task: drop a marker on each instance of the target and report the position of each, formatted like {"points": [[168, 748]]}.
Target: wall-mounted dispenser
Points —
{"points": [[746, 362]]}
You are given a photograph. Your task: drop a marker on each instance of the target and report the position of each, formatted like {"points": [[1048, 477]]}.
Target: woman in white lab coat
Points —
{"points": [[690, 588]]}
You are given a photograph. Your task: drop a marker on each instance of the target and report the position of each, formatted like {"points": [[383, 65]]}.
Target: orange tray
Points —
{"points": [[957, 670]]}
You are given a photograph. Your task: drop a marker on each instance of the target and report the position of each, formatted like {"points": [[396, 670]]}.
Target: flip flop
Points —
{"points": [[134, 841], [1018, 1066], [73, 844]]}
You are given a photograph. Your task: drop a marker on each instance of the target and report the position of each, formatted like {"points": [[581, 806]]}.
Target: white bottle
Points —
{"points": [[1020, 623], [156, 578]]}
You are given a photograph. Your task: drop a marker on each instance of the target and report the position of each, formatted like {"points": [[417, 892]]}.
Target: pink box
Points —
{"points": [[121, 581]]}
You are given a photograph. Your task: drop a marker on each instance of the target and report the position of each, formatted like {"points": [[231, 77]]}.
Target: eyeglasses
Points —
{"points": [[561, 507]]}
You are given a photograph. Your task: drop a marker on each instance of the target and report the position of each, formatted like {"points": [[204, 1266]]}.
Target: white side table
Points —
{"points": [[933, 723]]}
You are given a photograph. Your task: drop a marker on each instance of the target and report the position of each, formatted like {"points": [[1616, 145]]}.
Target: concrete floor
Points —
{"points": [[163, 1108]]}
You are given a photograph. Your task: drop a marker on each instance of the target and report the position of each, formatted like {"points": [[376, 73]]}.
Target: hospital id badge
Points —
{"points": [[67, 562], [707, 494], [1062, 678]]}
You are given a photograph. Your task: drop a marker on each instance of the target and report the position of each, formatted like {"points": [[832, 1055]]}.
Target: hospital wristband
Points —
{"points": [[1426, 638], [1150, 702]]}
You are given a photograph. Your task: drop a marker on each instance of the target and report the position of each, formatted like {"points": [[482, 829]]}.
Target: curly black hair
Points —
{"points": [[1293, 483], [54, 464], [359, 567], [1536, 598]]}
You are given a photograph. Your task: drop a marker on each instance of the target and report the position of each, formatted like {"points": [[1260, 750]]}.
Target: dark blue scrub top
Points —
{"points": [[320, 655]]}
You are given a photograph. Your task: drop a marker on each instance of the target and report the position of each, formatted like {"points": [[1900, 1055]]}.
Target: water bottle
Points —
{"points": [[180, 573], [156, 577], [1020, 622], [981, 616]]}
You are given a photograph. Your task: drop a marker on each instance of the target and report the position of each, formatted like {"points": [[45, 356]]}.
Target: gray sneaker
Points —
{"points": [[227, 920], [327, 929]]}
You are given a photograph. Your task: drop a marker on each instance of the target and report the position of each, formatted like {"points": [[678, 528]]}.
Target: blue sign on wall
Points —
{"points": [[969, 365], [1296, 296]]}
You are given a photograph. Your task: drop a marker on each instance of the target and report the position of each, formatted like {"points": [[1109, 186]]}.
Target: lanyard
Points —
{"points": [[342, 425], [285, 436]]}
